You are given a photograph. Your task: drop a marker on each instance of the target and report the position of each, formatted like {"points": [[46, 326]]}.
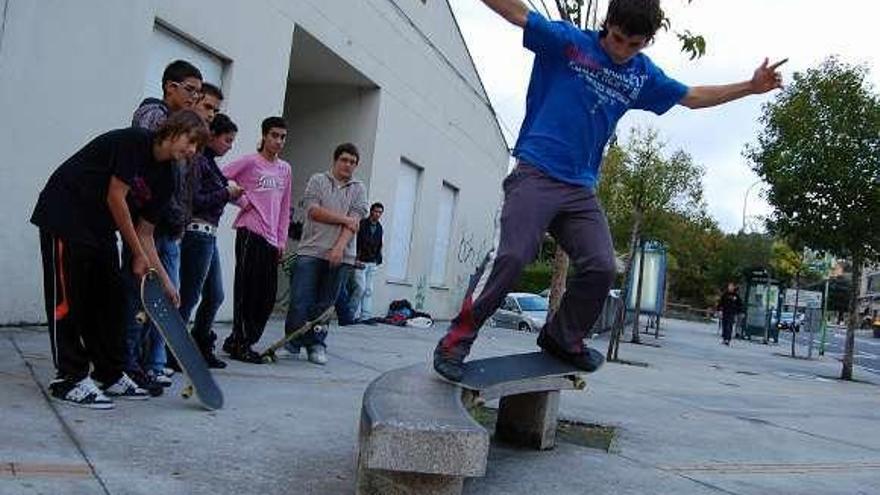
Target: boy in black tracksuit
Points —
{"points": [[118, 180], [730, 305]]}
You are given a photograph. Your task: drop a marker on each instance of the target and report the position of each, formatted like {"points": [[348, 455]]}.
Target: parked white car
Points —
{"points": [[521, 311]]}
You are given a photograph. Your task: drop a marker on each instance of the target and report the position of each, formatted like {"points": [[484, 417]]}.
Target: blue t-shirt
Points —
{"points": [[576, 96]]}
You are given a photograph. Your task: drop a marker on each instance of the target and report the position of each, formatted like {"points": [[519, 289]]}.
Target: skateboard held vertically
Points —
{"points": [[172, 327]]}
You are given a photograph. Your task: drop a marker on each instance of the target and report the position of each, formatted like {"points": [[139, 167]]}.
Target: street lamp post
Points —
{"points": [[746, 202]]}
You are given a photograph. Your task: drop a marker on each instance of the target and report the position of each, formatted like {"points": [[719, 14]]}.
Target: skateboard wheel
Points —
{"points": [[187, 392], [141, 317], [579, 383]]}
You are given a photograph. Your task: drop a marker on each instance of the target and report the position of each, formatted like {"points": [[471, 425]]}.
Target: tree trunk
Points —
{"points": [[797, 292], [853, 323], [637, 311], [617, 330], [557, 281]]}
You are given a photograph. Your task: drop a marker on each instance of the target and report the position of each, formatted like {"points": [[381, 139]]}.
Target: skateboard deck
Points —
{"points": [[269, 354], [481, 374], [172, 327]]}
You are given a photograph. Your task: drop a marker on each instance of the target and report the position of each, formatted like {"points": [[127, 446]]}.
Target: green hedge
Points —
{"points": [[535, 278]]}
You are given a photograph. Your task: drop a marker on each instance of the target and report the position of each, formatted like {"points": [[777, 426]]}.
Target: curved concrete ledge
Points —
{"points": [[416, 436], [415, 433]]}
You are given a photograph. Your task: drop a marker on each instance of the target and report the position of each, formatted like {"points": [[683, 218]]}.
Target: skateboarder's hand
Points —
{"points": [[140, 266], [766, 77], [334, 256]]}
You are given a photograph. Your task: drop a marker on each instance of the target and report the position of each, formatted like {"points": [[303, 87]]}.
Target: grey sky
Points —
{"points": [[739, 35]]}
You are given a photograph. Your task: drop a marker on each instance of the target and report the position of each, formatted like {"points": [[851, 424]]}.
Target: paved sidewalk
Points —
{"points": [[701, 418]]}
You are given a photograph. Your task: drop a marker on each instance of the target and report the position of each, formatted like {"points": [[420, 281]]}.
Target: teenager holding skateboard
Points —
{"points": [[582, 83], [334, 202], [120, 181]]}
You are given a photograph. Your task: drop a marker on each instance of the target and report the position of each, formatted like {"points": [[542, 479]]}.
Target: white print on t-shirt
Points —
{"points": [[269, 183], [610, 86]]}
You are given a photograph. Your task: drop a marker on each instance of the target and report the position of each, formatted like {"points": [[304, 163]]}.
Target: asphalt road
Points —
{"points": [[867, 348]]}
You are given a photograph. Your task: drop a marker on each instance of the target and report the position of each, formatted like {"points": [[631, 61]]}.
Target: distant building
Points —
{"points": [[392, 76]]}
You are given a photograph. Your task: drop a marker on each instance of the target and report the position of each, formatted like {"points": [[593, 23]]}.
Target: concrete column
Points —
{"points": [[528, 420]]}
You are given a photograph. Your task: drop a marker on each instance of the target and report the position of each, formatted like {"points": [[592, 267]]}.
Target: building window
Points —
{"points": [[167, 46], [403, 217], [445, 215]]}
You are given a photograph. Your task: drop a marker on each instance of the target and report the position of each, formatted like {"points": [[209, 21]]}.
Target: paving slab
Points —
{"points": [[699, 418]]}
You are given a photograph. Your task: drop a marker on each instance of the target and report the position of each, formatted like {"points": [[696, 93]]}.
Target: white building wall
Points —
{"points": [[71, 70]]}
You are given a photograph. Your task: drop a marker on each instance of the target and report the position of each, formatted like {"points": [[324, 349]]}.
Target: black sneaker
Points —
{"points": [[447, 365], [146, 382], [588, 359], [246, 355], [81, 394], [213, 361], [229, 346]]}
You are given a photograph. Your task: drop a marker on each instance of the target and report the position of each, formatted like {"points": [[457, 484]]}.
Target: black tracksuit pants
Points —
{"points": [[256, 284], [84, 298]]}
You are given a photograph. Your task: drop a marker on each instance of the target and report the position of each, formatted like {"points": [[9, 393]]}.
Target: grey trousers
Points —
{"points": [[535, 203]]}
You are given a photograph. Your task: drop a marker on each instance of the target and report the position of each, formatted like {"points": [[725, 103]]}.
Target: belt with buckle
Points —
{"points": [[205, 228]]}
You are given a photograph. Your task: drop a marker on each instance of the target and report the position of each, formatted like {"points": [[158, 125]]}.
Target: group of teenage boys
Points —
{"points": [[127, 181], [158, 185]]}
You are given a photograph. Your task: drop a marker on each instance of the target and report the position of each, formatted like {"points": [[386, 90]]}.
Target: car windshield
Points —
{"points": [[532, 303]]}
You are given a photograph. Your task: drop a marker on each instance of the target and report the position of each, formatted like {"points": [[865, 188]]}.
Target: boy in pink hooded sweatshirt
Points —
{"points": [[261, 235]]}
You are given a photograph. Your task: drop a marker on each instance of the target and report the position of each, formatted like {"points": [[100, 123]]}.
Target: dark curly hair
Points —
{"points": [[634, 17]]}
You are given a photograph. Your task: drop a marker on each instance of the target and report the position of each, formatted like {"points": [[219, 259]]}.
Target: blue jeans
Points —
{"points": [[140, 337], [345, 302], [314, 287], [200, 278]]}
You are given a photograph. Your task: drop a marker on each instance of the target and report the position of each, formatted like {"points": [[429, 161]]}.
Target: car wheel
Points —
{"points": [[524, 327]]}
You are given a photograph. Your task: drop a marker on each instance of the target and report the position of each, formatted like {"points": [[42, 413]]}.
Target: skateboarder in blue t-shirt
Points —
{"points": [[582, 83]]}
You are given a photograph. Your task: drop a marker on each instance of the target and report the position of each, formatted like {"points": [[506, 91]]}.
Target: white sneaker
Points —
{"points": [[160, 378], [84, 394], [318, 355], [126, 388]]}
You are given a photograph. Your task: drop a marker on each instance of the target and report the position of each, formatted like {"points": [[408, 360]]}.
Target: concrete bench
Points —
{"points": [[417, 436]]}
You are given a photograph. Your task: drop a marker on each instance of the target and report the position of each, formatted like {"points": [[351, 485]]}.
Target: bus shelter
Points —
{"points": [[762, 306]]}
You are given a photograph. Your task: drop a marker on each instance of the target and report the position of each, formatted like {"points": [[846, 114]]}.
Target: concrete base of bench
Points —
{"points": [[417, 437], [528, 420]]}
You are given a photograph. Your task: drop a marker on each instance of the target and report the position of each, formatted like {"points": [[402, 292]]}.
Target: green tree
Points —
{"points": [[819, 150], [643, 183]]}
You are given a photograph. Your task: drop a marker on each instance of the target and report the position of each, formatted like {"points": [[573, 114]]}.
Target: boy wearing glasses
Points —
{"points": [[181, 88], [145, 356], [582, 83]]}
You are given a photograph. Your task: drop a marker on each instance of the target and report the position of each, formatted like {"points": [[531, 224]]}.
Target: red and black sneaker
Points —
{"points": [[448, 365], [587, 359]]}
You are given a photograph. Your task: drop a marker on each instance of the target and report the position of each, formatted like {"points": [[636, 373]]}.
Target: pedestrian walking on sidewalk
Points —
{"points": [[730, 305]]}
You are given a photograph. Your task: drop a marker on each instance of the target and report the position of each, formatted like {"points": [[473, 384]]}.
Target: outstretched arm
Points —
{"points": [[765, 79], [514, 11]]}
